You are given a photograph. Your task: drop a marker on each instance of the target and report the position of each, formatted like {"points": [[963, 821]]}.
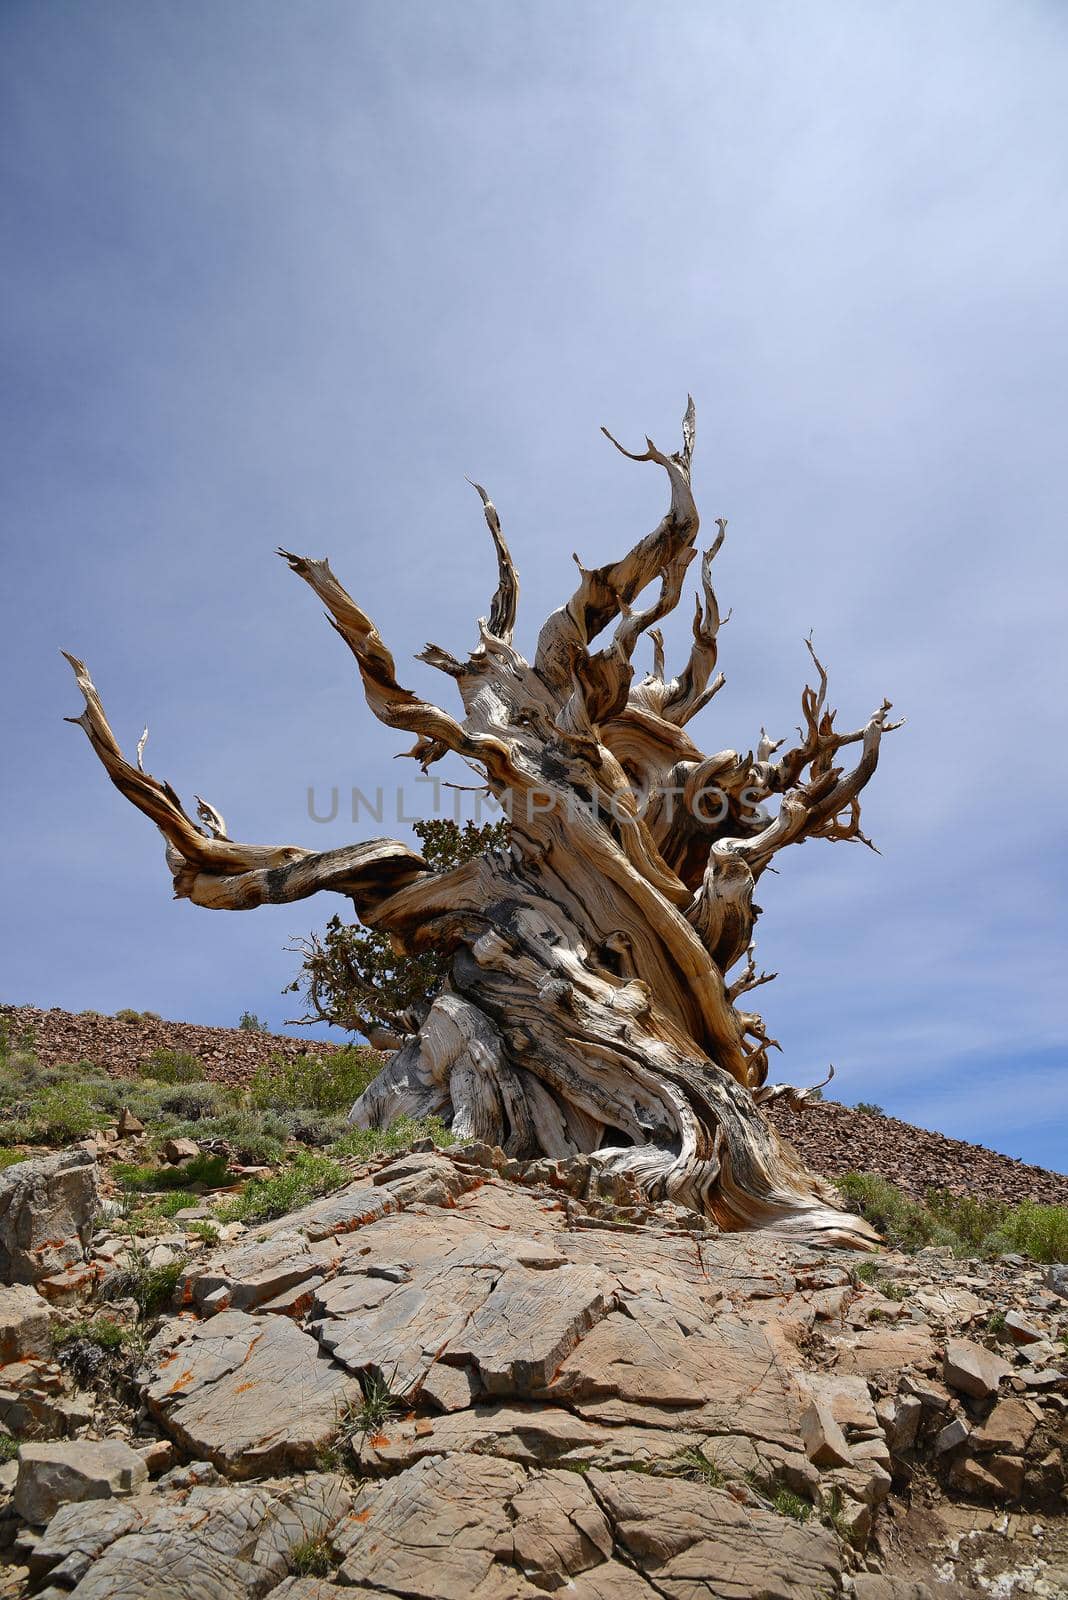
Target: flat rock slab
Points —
{"points": [[694, 1541], [438, 1532], [251, 1394], [50, 1475]]}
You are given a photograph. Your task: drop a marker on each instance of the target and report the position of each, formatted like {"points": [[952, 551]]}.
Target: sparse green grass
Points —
{"points": [[788, 1504], [311, 1558], [314, 1083], [304, 1180], [695, 1466], [869, 1272], [369, 1415], [207, 1232], [100, 1331], [208, 1170], [364, 1143], [9, 1448], [9, 1158], [152, 1288]]}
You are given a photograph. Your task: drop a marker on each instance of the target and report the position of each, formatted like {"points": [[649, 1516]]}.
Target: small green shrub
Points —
{"points": [[173, 1066], [9, 1448], [194, 1102], [211, 1171], [203, 1230], [316, 1128], [58, 1115], [305, 1180], [315, 1083], [967, 1226], [150, 1287], [788, 1504], [250, 1023], [905, 1223], [1040, 1232], [257, 1138], [101, 1331], [370, 1414], [151, 1016], [869, 1108], [127, 1015], [970, 1220], [311, 1558]]}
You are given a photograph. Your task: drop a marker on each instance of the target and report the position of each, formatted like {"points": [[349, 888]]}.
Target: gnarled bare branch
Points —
{"points": [[505, 602]]}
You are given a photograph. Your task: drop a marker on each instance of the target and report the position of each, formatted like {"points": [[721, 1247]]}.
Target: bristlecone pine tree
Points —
{"points": [[589, 1006]]}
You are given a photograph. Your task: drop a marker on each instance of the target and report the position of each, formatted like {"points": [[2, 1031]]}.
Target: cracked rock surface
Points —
{"points": [[445, 1383]]}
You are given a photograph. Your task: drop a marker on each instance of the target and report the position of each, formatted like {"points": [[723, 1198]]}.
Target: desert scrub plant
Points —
{"points": [[173, 1066], [208, 1170], [127, 1014], [1040, 1232], [104, 1332], [315, 1083], [257, 1138], [9, 1448], [869, 1108], [363, 1143], [365, 1418], [971, 1221], [250, 1023], [150, 1288], [905, 1223], [316, 1128], [967, 1226], [193, 1102], [57, 1115], [311, 1558], [304, 1180]]}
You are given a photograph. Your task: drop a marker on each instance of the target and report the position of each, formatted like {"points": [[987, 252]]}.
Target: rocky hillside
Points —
{"points": [[831, 1138], [461, 1376]]}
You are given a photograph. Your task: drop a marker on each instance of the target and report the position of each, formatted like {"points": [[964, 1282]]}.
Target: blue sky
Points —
{"points": [[284, 273]]}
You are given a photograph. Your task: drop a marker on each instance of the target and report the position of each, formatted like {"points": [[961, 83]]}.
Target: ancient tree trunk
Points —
{"points": [[589, 1006]]}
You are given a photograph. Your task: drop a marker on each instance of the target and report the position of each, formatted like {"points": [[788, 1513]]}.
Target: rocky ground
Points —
{"points": [[121, 1044], [460, 1375], [830, 1137]]}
